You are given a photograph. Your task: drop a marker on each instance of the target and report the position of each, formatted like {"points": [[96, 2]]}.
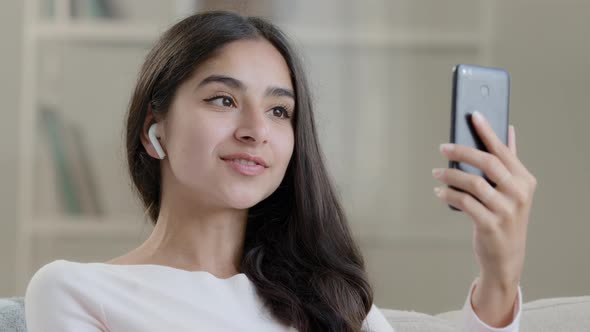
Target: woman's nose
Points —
{"points": [[252, 127]]}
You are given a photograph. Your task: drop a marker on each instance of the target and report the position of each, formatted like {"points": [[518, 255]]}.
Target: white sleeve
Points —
{"points": [[376, 322], [54, 302], [472, 323]]}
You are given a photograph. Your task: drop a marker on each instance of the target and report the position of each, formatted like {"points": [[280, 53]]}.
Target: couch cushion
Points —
{"points": [[566, 314], [557, 314], [547, 315], [12, 313], [411, 321]]}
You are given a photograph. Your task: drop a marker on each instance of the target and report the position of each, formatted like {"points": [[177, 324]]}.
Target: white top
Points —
{"points": [[69, 296]]}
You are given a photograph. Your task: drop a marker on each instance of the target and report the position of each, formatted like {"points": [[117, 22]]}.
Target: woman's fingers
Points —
{"points": [[481, 216], [476, 186], [495, 146], [486, 162], [512, 139]]}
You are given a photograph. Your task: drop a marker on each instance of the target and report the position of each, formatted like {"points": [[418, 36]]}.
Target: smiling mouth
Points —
{"points": [[246, 159], [245, 167], [243, 161]]}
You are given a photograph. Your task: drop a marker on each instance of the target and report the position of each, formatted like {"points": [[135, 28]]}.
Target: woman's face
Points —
{"points": [[237, 107]]}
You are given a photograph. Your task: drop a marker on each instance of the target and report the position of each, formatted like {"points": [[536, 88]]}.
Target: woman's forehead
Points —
{"points": [[254, 62]]}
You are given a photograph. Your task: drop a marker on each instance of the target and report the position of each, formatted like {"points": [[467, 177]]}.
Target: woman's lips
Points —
{"points": [[244, 169]]}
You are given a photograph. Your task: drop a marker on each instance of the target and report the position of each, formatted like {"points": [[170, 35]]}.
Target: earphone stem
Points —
{"points": [[155, 142]]}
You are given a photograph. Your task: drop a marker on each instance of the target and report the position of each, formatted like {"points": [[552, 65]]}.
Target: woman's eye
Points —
{"points": [[280, 112], [222, 101]]}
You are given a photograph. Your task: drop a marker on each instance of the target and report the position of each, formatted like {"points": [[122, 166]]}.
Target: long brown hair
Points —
{"points": [[298, 252]]}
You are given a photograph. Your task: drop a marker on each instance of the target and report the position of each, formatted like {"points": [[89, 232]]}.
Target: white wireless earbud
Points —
{"points": [[155, 142]]}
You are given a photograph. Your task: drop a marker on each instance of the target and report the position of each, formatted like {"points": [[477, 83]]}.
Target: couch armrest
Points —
{"points": [[547, 315], [411, 321], [12, 314]]}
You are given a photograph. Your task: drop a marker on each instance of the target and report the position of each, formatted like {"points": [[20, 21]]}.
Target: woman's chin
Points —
{"points": [[243, 204], [244, 200], [244, 196]]}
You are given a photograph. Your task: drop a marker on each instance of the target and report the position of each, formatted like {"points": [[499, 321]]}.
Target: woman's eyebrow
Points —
{"points": [[226, 80], [274, 91], [233, 83]]}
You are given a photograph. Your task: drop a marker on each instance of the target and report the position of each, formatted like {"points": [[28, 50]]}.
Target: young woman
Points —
{"points": [[249, 234]]}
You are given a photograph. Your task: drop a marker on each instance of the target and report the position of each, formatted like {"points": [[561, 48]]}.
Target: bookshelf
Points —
{"points": [[63, 28]]}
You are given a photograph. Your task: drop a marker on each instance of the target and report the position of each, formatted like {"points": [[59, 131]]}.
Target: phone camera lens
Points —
{"points": [[485, 90]]}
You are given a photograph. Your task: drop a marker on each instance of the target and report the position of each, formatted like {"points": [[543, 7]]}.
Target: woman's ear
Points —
{"points": [[152, 136], [154, 139]]}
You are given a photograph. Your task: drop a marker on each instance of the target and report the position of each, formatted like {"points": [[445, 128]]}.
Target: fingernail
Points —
{"points": [[437, 191], [436, 172], [477, 117], [445, 147]]}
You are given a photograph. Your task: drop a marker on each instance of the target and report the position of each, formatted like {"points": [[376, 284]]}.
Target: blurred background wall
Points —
{"points": [[10, 77], [380, 71]]}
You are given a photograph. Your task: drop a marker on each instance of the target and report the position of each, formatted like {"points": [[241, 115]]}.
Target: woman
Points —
{"points": [[249, 233]]}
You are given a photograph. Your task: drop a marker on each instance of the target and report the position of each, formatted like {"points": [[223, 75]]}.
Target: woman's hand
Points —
{"points": [[500, 217]]}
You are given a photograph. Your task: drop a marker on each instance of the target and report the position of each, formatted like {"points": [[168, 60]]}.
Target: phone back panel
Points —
{"points": [[486, 90]]}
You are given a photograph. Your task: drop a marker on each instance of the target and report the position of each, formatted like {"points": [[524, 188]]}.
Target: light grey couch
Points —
{"points": [[567, 314]]}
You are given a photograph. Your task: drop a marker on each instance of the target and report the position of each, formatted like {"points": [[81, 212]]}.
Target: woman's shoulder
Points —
{"points": [[52, 272], [54, 294], [60, 269], [61, 277], [53, 285], [55, 276], [376, 321]]}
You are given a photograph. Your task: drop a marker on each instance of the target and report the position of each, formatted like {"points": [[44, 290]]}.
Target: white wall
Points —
{"points": [[10, 45], [545, 45]]}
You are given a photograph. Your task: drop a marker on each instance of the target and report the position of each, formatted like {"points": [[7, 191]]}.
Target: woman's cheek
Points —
{"points": [[286, 149], [196, 150]]}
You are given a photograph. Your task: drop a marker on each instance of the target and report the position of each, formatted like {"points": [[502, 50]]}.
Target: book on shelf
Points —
{"points": [[47, 8], [91, 9], [79, 8], [75, 184], [82, 171], [47, 201]]}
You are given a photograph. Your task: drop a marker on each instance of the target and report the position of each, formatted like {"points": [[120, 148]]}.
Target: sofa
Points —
{"points": [[566, 314]]}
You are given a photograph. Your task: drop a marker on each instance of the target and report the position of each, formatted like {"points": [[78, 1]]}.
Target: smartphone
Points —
{"points": [[486, 90]]}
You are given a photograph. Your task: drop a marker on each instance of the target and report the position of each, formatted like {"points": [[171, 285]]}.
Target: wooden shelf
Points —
{"points": [[99, 31], [119, 32], [373, 38]]}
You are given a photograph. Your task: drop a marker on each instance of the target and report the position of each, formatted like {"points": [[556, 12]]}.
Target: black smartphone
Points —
{"points": [[483, 89]]}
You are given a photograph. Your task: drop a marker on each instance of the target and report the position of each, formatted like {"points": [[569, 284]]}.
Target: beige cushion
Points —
{"points": [[411, 321], [546, 315]]}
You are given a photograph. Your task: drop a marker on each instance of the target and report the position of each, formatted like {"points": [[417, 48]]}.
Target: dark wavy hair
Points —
{"points": [[298, 251]]}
